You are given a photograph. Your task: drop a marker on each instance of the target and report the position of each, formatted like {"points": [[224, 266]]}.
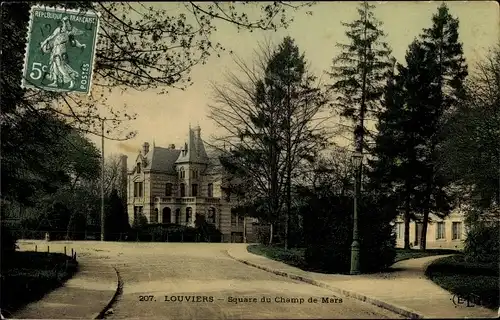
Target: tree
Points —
{"points": [[406, 129], [327, 211], [271, 123], [393, 154], [360, 72], [471, 151], [139, 47], [76, 161], [116, 217], [443, 47]]}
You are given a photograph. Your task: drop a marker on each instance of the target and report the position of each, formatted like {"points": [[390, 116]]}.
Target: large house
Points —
{"points": [[170, 185]]}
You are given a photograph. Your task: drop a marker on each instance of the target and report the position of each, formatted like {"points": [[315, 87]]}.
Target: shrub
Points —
{"points": [[207, 232], [165, 233], [8, 244], [262, 233], [482, 243], [328, 222]]}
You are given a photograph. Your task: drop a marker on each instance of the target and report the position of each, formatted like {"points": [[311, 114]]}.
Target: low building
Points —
{"points": [[445, 233], [170, 185]]}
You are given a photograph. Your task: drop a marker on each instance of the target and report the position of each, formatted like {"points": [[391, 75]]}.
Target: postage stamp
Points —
{"points": [[60, 49]]}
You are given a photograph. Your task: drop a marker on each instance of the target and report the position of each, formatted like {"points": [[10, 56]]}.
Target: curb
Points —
{"points": [[118, 291], [407, 313]]}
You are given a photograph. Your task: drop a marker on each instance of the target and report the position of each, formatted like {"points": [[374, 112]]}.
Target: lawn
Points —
{"points": [[28, 276], [475, 282], [402, 254], [295, 256], [292, 256]]}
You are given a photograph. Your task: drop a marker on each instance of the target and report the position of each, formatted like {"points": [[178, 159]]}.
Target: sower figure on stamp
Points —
{"points": [[59, 69]]}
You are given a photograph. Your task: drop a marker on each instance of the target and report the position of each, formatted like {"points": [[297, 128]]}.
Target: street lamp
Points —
{"points": [[102, 179], [357, 158]]}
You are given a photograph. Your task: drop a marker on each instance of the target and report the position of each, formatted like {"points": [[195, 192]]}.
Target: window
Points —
{"points": [[138, 167], [154, 216], [168, 190], [195, 174], [211, 215], [400, 230], [233, 217], [457, 230], [210, 191], [138, 192], [194, 190], [182, 174], [189, 213], [182, 188], [440, 230], [228, 196]]}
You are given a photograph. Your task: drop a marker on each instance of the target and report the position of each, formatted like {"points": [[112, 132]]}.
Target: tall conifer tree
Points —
{"points": [[442, 45], [360, 72]]}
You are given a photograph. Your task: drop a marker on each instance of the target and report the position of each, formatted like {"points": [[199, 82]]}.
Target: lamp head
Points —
{"points": [[357, 158]]}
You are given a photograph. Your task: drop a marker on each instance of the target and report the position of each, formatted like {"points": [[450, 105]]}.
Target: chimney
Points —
{"points": [[145, 148], [172, 146], [123, 162]]}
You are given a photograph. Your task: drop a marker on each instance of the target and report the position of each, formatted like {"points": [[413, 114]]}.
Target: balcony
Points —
{"points": [[187, 200], [212, 200], [164, 199]]}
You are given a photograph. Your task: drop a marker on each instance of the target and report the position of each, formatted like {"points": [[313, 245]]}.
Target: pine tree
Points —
{"points": [[386, 175], [360, 72], [407, 130], [441, 45]]}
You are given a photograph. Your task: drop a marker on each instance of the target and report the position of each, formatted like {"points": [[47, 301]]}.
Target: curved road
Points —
{"points": [[199, 281], [211, 285]]}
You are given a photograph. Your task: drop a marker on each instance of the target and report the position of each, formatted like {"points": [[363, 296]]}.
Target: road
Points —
{"points": [[199, 281]]}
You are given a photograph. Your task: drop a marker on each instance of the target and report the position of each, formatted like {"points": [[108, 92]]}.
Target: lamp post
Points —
{"points": [[357, 158], [102, 179]]}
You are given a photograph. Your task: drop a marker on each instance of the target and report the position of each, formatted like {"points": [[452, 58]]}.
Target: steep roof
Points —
{"points": [[194, 149], [162, 159]]}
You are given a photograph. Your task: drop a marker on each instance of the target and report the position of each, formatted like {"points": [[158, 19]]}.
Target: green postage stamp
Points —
{"points": [[60, 49]]}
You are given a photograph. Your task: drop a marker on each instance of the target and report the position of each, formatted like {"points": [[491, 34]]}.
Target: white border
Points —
{"points": [[24, 83]]}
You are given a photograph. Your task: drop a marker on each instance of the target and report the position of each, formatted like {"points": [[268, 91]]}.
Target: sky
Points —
{"points": [[165, 119]]}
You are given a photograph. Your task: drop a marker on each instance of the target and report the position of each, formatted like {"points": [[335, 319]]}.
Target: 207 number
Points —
{"points": [[37, 70], [146, 298]]}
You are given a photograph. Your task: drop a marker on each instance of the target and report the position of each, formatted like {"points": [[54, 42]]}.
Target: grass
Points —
{"points": [[402, 254], [292, 256], [28, 276], [473, 281], [295, 256]]}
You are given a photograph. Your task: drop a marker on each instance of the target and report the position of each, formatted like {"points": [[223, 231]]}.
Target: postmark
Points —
{"points": [[60, 49]]}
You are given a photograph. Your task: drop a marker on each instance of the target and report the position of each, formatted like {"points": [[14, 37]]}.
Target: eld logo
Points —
{"points": [[468, 300]]}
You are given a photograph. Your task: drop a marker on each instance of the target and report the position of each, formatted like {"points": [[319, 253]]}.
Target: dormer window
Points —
{"points": [[138, 167]]}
